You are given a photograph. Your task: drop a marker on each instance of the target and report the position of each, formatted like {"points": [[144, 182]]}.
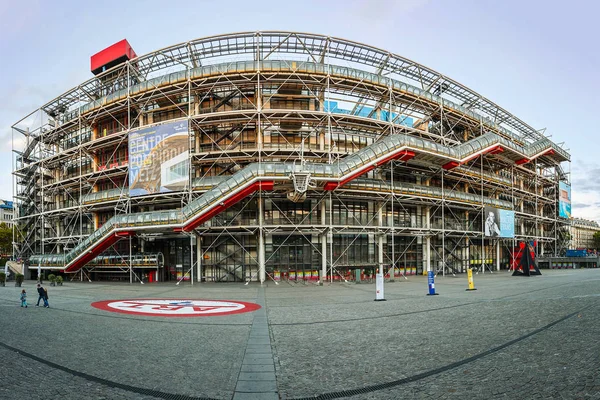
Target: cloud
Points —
{"points": [[379, 9], [18, 17], [586, 179], [585, 190], [19, 100], [585, 204], [381, 16], [18, 143], [581, 205]]}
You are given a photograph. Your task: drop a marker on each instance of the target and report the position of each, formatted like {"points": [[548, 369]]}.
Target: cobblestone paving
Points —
{"points": [[23, 378], [323, 340], [559, 363]]}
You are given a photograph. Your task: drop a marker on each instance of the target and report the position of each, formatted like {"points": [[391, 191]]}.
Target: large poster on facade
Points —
{"points": [[564, 200], [499, 223], [158, 159]]}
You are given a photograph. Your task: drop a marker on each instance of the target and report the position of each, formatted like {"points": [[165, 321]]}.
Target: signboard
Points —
{"points": [[431, 283], [379, 286], [564, 200], [181, 275], [158, 159], [499, 223], [176, 307]]}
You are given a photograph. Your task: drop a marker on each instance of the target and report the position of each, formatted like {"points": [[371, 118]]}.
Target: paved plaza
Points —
{"points": [[515, 337]]}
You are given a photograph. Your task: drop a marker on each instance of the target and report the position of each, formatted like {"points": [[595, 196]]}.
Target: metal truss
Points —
{"points": [[269, 97]]}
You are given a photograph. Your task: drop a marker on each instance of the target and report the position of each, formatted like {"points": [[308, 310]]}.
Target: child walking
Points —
{"points": [[23, 298]]}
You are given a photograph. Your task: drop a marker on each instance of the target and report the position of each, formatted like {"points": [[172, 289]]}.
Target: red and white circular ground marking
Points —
{"points": [[176, 307]]}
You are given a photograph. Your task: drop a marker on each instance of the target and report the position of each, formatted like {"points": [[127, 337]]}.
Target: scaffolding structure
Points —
{"points": [[309, 157]]}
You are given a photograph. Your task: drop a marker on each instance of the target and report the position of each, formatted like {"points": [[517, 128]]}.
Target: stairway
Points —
{"points": [[262, 176]]}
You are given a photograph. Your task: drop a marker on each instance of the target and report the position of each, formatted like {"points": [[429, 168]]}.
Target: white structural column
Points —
{"points": [[261, 238], [130, 265], [192, 259], [427, 244], [428, 253], [521, 206], [261, 243], [498, 255], [323, 207], [380, 237], [417, 222], [467, 255], [199, 256], [541, 213]]}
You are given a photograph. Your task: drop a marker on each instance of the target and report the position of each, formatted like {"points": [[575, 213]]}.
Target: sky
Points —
{"points": [[538, 59]]}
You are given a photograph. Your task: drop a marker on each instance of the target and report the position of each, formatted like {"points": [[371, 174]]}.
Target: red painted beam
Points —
{"points": [[200, 220], [357, 174], [107, 242], [92, 253], [450, 165], [549, 152], [266, 185], [492, 150], [335, 185], [403, 155], [330, 186], [240, 195], [190, 226], [408, 155], [387, 159], [122, 234], [496, 150]]}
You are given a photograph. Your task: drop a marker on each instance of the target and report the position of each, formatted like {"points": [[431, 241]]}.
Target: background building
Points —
{"points": [[6, 212], [582, 233], [283, 155]]}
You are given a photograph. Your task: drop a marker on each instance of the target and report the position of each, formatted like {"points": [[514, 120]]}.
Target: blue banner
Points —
{"points": [[564, 200], [158, 159], [499, 223], [431, 283]]}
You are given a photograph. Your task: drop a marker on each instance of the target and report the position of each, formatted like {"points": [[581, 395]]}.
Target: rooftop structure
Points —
{"points": [[6, 212]]}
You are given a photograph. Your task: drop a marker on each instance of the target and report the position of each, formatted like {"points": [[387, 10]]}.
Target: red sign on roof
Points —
{"points": [[111, 56]]}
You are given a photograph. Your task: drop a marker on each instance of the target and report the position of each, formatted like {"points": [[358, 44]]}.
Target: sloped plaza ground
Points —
{"points": [[515, 337]]}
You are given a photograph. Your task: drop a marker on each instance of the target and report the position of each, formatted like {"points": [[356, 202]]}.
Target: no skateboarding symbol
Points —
{"points": [[176, 307]]}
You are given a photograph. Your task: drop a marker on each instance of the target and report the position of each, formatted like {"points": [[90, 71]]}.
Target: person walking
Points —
{"points": [[43, 295], [23, 298]]}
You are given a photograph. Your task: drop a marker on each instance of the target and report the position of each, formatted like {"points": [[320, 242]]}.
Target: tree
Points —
{"points": [[6, 238]]}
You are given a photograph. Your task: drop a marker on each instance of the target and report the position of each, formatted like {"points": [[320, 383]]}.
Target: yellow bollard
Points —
{"points": [[470, 278]]}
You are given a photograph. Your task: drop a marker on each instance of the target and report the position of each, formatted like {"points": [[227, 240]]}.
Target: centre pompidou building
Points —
{"points": [[278, 155]]}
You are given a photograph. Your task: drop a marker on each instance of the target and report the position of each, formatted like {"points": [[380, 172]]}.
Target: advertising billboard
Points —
{"points": [[564, 200], [499, 223], [158, 159]]}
